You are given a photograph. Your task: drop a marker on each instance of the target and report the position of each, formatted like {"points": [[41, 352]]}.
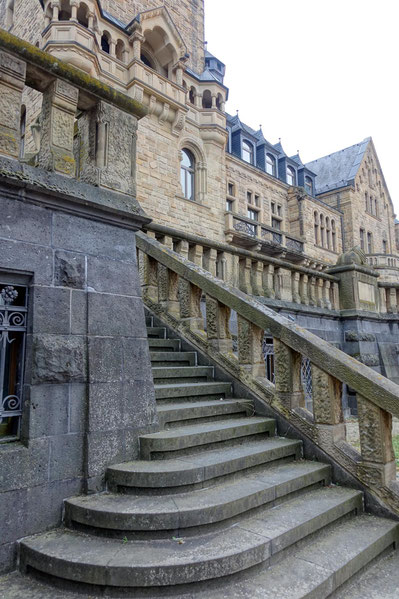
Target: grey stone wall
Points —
{"points": [[88, 385]]}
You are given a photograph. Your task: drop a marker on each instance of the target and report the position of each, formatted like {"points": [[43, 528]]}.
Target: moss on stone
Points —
{"points": [[31, 54]]}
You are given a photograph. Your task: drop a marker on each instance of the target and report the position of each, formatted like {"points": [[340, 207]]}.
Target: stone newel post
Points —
{"points": [[58, 121], [12, 80]]}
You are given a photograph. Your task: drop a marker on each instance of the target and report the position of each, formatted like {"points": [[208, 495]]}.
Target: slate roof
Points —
{"points": [[338, 169]]}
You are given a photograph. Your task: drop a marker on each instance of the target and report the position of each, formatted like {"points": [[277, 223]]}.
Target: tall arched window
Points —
{"points": [[105, 39], [120, 50], [290, 175], [333, 236], [191, 95], [65, 11], [207, 99], [328, 233], [271, 164], [316, 228], [187, 174], [247, 152], [321, 230], [22, 131], [82, 14], [309, 185], [366, 201]]}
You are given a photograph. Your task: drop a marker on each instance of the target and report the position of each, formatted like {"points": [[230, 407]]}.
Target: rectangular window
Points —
{"points": [[276, 224], [279, 209], [229, 206], [253, 214], [257, 200], [13, 315], [273, 207], [384, 246], [249, 197], [230, 189], [362, 239], [369, 243]]}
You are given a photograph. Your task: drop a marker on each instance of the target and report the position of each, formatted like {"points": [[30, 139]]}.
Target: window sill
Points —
{"points": [[195, 202]]}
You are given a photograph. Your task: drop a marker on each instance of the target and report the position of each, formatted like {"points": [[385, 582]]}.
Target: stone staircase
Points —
{"points": [[218, 505]]}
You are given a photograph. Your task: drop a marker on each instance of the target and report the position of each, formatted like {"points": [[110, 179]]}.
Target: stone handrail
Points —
{"points": [[173, 285], [255, 273]]}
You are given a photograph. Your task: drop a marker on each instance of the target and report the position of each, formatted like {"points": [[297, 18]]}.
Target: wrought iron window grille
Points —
{"points": [[13, 319]]}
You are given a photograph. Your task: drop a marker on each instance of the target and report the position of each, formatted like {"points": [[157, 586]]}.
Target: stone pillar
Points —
{"points": [[383, 300], [112, 46], [250, 354], [136, 39], [295, 278], [56, 10], [182, 248], [196, 253], [285, 285], [335, 293], [319, 292], [327, 406], [74, 9], [210, 256], [312, 294], [304, 289], [217, 325], [90, 17], [257, 278], [326, 294], [57, 133], [287, 367], [12, 80], [214, 98], [190, 305], [392, 306]]}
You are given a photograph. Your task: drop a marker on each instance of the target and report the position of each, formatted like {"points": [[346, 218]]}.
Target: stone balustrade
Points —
{"points": [[389, 297], [253, 272], [173, 283]]}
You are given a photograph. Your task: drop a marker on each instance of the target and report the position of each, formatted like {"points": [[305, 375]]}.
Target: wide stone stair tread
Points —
{"points": [[203, 466], [172, 412], [319, 568], [380, 581], [195, 508], [95, 560], [171, 372], [203, 388]]}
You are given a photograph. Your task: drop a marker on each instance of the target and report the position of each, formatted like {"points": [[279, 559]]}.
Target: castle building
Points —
{"points": [[199, 169]]}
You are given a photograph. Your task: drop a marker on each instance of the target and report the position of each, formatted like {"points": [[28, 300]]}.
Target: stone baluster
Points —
{"points": [[375, 429], [233, 274], [217, 326], [312, 290], [268, 280], [304, 289], [257, 278], [59, 107], [222, 266], [326, 294], [383, 300], [319, 292], [327, 406], [74, 9], [210, 256], [198, 101], [277, 283], [245, 266], [90, 18], [12, 81], [196, 253], [250, 354], [163, 275], [148, 269], [182, 248], [173, 304], [295, 280], [335, 296], [392, 306], [190, 305], [287, 374], [285, 285]]}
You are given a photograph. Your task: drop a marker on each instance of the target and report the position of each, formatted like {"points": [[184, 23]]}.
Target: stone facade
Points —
{"points": [[182, 85]]}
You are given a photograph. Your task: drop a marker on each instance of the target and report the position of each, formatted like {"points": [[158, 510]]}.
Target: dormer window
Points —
{"points": [[290, 175], [309, 185], [270, 165], [247, 152]]}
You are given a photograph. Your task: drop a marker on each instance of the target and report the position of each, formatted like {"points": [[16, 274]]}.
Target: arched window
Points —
{"points": [[22, 131], [366, 198], [270, 164], [105, 39], [321, 230], [191, 95], [290, 175], [247, 152], [309, 185], [82, 14], [207, 99], [187, 174], [147, 61], [376, 207], [369, 243], [316, 228], [65, 11], [333, 236], [328, 233], [120, 50]]}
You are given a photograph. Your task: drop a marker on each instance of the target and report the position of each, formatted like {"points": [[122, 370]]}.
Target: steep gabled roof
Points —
{"points": [[338, 169]]}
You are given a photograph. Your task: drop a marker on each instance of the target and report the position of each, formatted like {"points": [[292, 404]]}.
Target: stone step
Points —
{"points": [[320, 568], [202, 467], [197, 508], [163, 358], [182, 374], [170, 345], [164, 562], [200, 410], [156, 332], [186, 390], [196, 435]]}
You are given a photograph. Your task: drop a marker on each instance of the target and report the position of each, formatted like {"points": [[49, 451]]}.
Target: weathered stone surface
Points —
{"points": [[69, 270], [51, 310], [59, 359], [66, 457]]}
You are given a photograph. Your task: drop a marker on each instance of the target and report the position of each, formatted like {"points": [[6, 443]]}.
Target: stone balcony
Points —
{"points": [[251, 234], [386, 264]]}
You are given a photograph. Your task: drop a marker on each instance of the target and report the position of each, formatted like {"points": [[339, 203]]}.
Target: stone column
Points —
{"points": [[327, 406], [319, 292], [250, 354], [257, 278], [196, 253], [136, 39], [285, 285], [217, 325], [112, 46], [74, 10], [214, 98], [295, 278], [304, 289], [268, 280], [245, 275], [90, 17], [58, 122], [287, 365], [12, 80], [326, 295], [383, 300], [56, 10], [312, 289], [210, 256], [392, 301]]}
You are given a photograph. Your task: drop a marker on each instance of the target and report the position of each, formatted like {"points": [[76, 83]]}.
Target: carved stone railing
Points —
{"points": [[253, 272], [175, 286]]}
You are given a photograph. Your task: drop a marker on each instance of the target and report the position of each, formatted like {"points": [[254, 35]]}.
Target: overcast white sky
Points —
{"points": [[321, 75]]}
